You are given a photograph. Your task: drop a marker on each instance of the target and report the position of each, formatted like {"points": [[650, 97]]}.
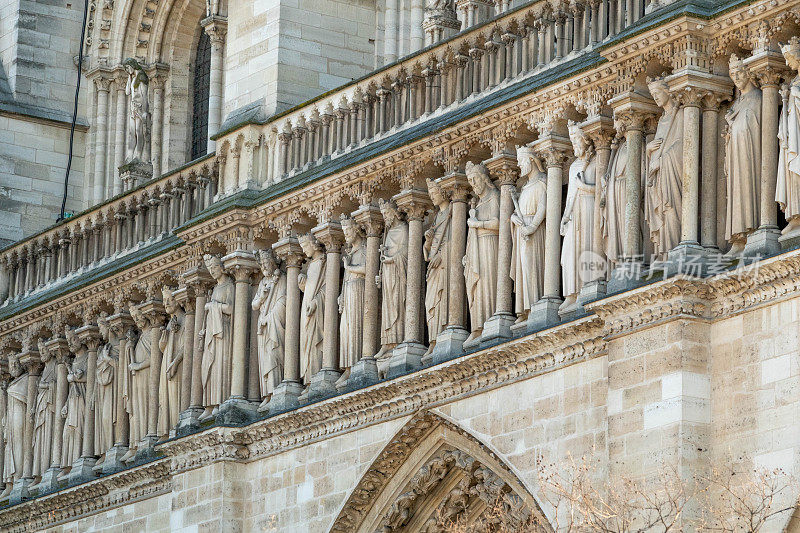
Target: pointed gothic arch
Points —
{"points": [[432, 468]]}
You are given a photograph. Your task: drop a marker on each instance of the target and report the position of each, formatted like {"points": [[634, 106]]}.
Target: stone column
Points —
{"points": [[390, 34], [504, 170], [157, 86], [768, 66], [600, 129], [323, 383], [241, 265], [450, 342], [154, 311], [417, 17], [285, 395], [199, 281], [553, 149], [119, 132], [216, 27], [708, 206], [103, 85], [83, 468], [407, 356], [365, 371]]}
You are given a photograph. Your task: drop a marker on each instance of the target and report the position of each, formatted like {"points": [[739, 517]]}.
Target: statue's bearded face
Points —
{"points": [[525, 166], [351, 233]]}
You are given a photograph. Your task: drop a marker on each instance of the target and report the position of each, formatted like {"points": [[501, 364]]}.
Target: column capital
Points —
{"points": [[554, 149], [503, 168], [120, 322], [769, 67], [216, 26], [690, 87], [455, 185], [600, 130], [29, 358], [289, 250], [241, 264], [185, 297], [369, 217], [154, 311], [90, 336], [413, 202], [59, 348], [330, 234], [632, 110]]}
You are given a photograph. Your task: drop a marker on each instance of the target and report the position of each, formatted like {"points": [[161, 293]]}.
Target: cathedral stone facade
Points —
{"points": [[354, 265]]}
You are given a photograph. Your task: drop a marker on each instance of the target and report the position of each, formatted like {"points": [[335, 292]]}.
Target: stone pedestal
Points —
{"points": [[113, 461], [543, 314], [284, 397], [189, 421], [626, 276], [50, 482], [592, 290], [323, 384], [236, 411], [497, 329], [21, 490], [688, 258], [764, 242], [406, 357], [82, 470], [145, 450], [790, 241], [363, 374], [134, 174], [449, 344]]}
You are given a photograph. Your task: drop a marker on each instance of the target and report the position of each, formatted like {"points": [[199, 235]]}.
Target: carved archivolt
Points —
{"points": [[431, 474]]}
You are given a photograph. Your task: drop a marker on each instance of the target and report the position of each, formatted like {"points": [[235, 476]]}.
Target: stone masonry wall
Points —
{"points": [[33, 159], [302, 48]]}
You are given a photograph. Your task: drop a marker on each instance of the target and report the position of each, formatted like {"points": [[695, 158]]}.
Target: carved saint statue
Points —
{"points": [[312, 308], [480, 261], [172, 345], [75, 408], [664, 191], [577, 222], [138, 358], [270, 304], [787, 192], [437, 254], [742, 158], [527, 233], [44, 412], [351, 301], [16, 407], [105, 412], [138, 113], [217, 338], [394, 264]]}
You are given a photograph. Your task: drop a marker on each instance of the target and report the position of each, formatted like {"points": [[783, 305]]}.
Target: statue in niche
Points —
{"points": [[392, 279], [480, 261], [664, 190], [577, 222], [75, 408], [14, 424], [138, 358], [742, 158], [137, 89], [436, 251], [172, 345], [44, 412], [527, 233], [787, 191], [351, 301], [105, 412], [312, 308], [270, 304], [217, 338]]}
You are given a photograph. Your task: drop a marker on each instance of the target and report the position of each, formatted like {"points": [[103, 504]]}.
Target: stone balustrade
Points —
{"points": [[106, 233], [530, 39]]}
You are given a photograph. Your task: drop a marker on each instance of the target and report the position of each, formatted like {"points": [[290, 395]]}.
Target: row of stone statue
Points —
{"points": [[418, 278]]}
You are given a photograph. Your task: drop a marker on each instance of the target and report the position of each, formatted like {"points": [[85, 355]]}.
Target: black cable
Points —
{"points": [[74, 111]]}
